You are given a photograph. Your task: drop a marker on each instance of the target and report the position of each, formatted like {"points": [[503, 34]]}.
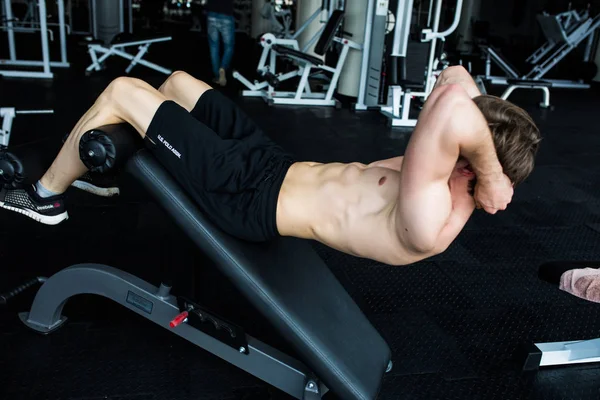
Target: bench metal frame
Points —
{"points": [[118, 49], [158, 305], [530, 86]]}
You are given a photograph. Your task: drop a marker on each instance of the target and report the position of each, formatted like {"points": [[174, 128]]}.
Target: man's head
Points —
{"points": [[516, 137]]}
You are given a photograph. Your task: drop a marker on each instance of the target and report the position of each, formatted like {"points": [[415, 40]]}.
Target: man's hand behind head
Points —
{"points": [[493, 193]]}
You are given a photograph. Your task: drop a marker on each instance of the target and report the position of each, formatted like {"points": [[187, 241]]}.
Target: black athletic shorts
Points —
{"points": [[224, 161]]}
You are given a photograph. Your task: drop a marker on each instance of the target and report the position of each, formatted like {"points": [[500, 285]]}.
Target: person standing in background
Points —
{"points": [[220, 24]]}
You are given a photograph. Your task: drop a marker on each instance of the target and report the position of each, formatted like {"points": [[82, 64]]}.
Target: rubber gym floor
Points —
{"points": [[454, 322]]}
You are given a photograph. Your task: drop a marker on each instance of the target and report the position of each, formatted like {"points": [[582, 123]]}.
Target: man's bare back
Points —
{"points": [[401, 210]]}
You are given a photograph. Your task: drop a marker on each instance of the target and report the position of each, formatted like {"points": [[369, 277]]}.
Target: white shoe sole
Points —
{"points": [[44, 219], [98, 191]]}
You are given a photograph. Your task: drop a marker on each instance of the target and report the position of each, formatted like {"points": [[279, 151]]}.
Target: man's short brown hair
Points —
{"points": [[516, 137]]}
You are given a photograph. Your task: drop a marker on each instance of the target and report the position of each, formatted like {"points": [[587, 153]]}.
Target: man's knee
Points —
{"points": [[124, 93], [173, 81], [119, 87], [183, 87]]}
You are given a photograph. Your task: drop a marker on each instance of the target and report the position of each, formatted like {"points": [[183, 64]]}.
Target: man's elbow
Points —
{"points": [[422, 245], [456, 70]]}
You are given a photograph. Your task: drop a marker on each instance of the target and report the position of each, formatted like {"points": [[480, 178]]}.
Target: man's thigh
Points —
{"points": [[226, 118]]}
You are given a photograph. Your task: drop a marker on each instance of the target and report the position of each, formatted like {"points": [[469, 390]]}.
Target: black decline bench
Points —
{"points": [[339, 350]]}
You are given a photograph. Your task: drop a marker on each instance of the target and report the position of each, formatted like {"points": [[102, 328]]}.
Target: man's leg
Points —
{"points": [[228, 33], [183, 89], [179, 87], [214, 42], [124, 100], [211, 108]]}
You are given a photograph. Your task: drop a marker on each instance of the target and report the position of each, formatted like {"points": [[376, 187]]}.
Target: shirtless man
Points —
{"points": [[466, 151]]}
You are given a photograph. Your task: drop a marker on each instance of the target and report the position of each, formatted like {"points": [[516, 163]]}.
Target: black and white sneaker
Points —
{"points": [[104, 185], [47, 210]]}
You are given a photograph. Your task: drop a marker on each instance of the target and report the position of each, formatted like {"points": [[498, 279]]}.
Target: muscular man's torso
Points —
{"points": [[350, 207], [353, 208]]}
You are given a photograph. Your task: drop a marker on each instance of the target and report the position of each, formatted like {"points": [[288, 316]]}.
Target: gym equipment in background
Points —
{"points": [[303, 95], [269, 72], [401, 92], [12, 26], [564, 32], [279, 14], [538, 355], [339, 349], [117, 48], [112, 40], [7, 115], [97, 25], [11, 168]]}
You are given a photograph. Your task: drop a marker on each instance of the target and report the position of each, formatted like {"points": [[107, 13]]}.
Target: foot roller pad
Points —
{"points": [[108, 147]]}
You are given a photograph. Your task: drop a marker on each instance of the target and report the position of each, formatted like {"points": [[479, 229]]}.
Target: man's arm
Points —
{"points": [[458, 75], [450, 125]]}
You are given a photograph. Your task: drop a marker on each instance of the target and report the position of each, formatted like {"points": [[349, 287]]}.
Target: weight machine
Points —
{"points": [[400, 95], [10, 25], [275, 48], [564, 32], [267, 39]]}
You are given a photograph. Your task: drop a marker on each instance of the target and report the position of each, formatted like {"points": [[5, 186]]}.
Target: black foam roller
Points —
{"points": [[11, 170], [108, 147]]}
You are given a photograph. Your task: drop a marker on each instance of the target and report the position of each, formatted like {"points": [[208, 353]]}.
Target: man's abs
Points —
{"points": [[349, 207]]}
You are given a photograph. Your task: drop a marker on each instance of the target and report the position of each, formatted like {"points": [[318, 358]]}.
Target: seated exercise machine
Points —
{"points": [[284, 279], [564, 32], [401, 92], [117, 48], [11, 169], [274, 48]]}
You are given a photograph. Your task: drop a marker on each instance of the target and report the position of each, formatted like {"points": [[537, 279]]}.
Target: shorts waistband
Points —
{"points": [[274, 177]]}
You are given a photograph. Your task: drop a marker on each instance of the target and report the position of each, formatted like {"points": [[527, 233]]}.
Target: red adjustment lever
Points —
{"points": [[178, 320]]}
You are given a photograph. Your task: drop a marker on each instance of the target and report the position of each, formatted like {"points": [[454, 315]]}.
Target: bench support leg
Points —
{"points": [[157, 305]]}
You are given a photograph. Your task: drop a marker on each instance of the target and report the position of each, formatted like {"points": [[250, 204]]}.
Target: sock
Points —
{"points": [[43, 192]]}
